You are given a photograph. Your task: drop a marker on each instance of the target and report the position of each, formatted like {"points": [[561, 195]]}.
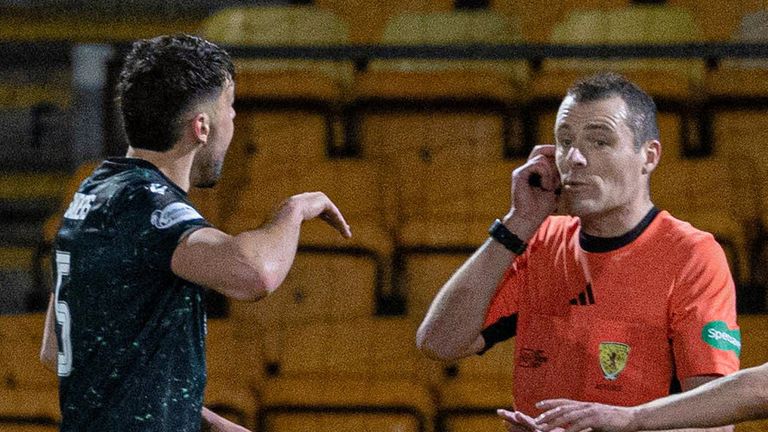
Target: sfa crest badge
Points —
{"points": [[613, 358]]}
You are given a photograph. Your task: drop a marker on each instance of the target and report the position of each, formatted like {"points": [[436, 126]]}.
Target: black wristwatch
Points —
{"points": [[501, 234]]}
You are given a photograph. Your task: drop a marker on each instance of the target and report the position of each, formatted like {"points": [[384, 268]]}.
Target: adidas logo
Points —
{"points": [[585, 298]]}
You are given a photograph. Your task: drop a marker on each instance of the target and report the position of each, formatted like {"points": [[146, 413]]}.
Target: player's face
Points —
{"points": [[210, 158], [600, 169]]}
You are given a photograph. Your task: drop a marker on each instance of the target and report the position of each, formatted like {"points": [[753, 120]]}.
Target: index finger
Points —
{"points": [[547, 150], [559, 413], [333, 217]]}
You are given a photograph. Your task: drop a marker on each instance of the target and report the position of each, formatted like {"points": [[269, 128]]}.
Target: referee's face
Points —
{"points": [[601, 171]]}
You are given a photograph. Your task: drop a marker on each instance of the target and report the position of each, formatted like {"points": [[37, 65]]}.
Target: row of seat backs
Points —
{"points": [[352, 364], [308, 25]]}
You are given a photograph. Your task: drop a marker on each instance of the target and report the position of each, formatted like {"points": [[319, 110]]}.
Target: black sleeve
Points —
{"points": [[499, 331], [159, 221]]}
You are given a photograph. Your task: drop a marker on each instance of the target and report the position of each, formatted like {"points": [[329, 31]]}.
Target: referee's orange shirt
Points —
{"points": [[617, 326]]}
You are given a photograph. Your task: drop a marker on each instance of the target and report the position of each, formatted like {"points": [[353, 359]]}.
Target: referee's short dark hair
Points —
{"points": [[161, 79], [642, 110]]}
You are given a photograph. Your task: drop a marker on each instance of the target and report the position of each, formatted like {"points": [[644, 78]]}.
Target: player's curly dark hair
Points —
{"points": [[161, 79], [642, 110]]}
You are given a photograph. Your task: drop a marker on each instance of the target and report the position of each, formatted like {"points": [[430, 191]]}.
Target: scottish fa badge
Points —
{"points": [[613, 358]]}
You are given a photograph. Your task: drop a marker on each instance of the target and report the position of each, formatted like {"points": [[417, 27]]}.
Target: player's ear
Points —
{"points": [[201, 125]]}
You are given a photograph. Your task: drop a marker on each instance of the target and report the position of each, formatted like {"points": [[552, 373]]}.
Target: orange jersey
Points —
{"points": [[615, 320]]}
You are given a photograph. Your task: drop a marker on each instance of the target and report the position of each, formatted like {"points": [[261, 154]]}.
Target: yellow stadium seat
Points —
{"points": [[281, 26], [329, 270], [461, 178], [29, 410], [650, 24], [351, 370], [481, 385], [23, 426], [342, 405], [206, 202], [453, 28], [424, 274], [674, 84], [234, 371], [319, 289], [18, 277], [45, 186], [368, 348], [24, 95], [754, 339], [296, 95], [700, 192], [736, 114], [21, 337], [386, 405], [443, 97]]}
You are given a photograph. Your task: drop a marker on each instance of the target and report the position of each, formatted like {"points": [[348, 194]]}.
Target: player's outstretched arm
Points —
{"points": [[213, 422], [731, 399], [254, 263]]}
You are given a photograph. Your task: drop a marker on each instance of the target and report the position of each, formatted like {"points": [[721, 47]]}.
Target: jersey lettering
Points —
{"points": [[80, 206]]}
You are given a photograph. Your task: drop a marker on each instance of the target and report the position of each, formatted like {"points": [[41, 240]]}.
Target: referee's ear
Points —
{"points": [[652, 152], [201, 125]]}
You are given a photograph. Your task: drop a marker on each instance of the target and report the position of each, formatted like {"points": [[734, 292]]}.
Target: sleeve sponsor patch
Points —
{"points": [[173, 214], [717, 335]]}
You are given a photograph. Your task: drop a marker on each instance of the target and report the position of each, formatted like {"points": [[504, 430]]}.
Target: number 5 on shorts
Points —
{"points": [[62, 315]]}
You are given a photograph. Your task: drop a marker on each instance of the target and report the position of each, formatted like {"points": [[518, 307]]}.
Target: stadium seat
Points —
{"points": [[23, 426], [319, 289], [754, 339], [674, 84], [481, 385], [350, 370], [21, 337], [302, 95], [24, 410], [17, 278], [735, 128], [700, 192], [479, 98], [446, 204], [737, 99], [458, 27], [352, 185], [234, 370], [34, 121], [470, 390], [26, 199], [342, 405], [650, 24], [281, 26]]}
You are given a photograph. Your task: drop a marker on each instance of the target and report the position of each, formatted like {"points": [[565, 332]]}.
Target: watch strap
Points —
{"points": [[503, 235]]}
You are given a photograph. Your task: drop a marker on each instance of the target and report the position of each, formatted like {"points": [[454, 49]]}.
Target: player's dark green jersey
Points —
{"points": [[131, 334]]}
